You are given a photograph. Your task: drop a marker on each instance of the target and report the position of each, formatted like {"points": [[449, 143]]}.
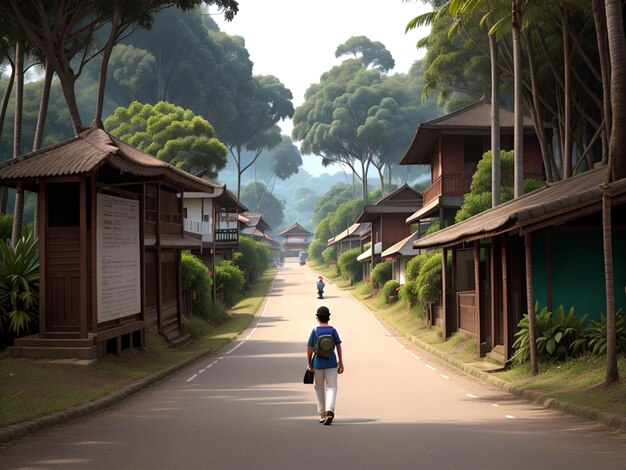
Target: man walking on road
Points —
{"points": [[325, 364]]}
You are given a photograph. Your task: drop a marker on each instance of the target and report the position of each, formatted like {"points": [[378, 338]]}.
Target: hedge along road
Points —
{"points": [[246, 407]]}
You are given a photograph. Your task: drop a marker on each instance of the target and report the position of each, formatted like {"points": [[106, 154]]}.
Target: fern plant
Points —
{"points": [[19, 285]]}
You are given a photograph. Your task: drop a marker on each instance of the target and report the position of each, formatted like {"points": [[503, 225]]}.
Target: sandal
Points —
{"points": [[329, 418], [322, 416]]}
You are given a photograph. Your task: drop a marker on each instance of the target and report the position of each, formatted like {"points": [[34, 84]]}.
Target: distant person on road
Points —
{"points": [[323, 342], [320, 287]]}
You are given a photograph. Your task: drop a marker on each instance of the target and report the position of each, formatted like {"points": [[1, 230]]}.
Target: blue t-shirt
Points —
{"points": [[323, 362]]}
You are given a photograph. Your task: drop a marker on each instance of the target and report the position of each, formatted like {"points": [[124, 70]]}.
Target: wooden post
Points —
{"points": [[505, 302], [444, 303], [42, 214], [477, 290], [82, 302], [94, 254], [530, 304]]}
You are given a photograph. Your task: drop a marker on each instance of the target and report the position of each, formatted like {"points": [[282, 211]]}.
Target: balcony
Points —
{"points": [[448, 185], [199, 227]]}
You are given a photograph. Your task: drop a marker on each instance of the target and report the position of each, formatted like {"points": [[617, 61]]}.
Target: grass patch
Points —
{"points": [[69, 384], [579, 380]]}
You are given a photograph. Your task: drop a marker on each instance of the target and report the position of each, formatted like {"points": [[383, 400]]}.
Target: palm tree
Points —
{"points": [[616, 169]]}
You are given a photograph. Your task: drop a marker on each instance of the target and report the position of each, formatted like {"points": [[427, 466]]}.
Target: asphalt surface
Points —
{"points": [[398, 407]]}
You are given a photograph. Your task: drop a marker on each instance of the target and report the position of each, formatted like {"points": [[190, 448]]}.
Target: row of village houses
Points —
{"points": [[545, 246], [100, 293]]}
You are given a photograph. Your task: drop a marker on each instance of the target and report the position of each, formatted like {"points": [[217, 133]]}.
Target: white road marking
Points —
{"points": [[430, 367], [416, 356], [494, 404], [445, 377], [238, 345], [470, 395], [509, 417]]}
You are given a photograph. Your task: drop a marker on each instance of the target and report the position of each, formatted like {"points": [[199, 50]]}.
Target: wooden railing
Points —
{"points": [[448, 185], [466, 302]]}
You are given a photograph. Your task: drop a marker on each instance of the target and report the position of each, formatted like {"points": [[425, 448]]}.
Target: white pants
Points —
{"points": [[326, 389]]}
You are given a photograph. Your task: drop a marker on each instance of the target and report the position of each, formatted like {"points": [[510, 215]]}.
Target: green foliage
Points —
{"points": [[349, 266], [330, 201], [6, 226], [409, 292], [170, 133], [196, 283], [329, 255], [595, 334], [390, 289], [479, 197], [19, 286], [433, 227], [382, 273], [258, 199], [557, 337], [230, 281], [429, 278], [414, 265], [315, 250], [252, 256]]}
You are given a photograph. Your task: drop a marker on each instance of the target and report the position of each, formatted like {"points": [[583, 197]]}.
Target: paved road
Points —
{"points": [[246, 408]]}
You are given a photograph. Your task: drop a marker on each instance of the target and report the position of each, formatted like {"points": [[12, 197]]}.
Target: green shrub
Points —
{"points": [[382, 273], [349, 266], [252, 257], [390, 289], [409, 293], [196, 283], [19, 286], [329, 255], [557, 337], [316, 247], [595, 334], [414, 265], [429, 278], [6, 226], [230, 282]]}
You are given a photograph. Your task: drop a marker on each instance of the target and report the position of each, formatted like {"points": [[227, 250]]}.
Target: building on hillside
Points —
{"points": [[110, 224], [256, 226], [352, 237], [551, 236], [296, 239], [388, 222], [452, 145], [214, 216]]}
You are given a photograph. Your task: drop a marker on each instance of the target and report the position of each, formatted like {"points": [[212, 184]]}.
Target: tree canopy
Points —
{"points": [[357, 116], [172, 134]]}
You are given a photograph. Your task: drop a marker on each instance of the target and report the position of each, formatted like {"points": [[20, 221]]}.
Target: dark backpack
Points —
{"points": [[324, 345]]}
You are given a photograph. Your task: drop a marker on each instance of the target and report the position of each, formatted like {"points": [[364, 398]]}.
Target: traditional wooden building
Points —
{"points": [[388, 221], [296, 239], [216, 218], [349, 238], [452, 145], [110, 221], [552, 236]]}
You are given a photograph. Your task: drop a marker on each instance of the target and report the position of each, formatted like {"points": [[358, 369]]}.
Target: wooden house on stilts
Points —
{"points": [[110, 227]]}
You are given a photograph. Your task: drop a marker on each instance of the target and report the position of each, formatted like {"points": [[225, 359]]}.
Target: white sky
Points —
{"points": [[295, 40]]}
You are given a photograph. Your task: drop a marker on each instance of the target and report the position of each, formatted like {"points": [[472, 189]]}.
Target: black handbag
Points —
{"points": [[308, 376]]}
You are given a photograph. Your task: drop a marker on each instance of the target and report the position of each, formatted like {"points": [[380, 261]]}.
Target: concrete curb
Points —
{"points": [[613, 420], [16, 431]]}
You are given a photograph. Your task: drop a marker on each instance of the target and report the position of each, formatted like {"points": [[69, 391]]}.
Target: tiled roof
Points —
{"points": [[295, 229], [89, 150], [562, 200]]}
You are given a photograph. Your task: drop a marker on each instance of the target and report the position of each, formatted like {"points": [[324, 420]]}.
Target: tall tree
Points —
{"points": [[66, 31], [617, 167], [255, 127], [172, 134]]}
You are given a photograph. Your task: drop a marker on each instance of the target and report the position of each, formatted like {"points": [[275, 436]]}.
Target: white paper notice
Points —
{"points": [[119, 274]]}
